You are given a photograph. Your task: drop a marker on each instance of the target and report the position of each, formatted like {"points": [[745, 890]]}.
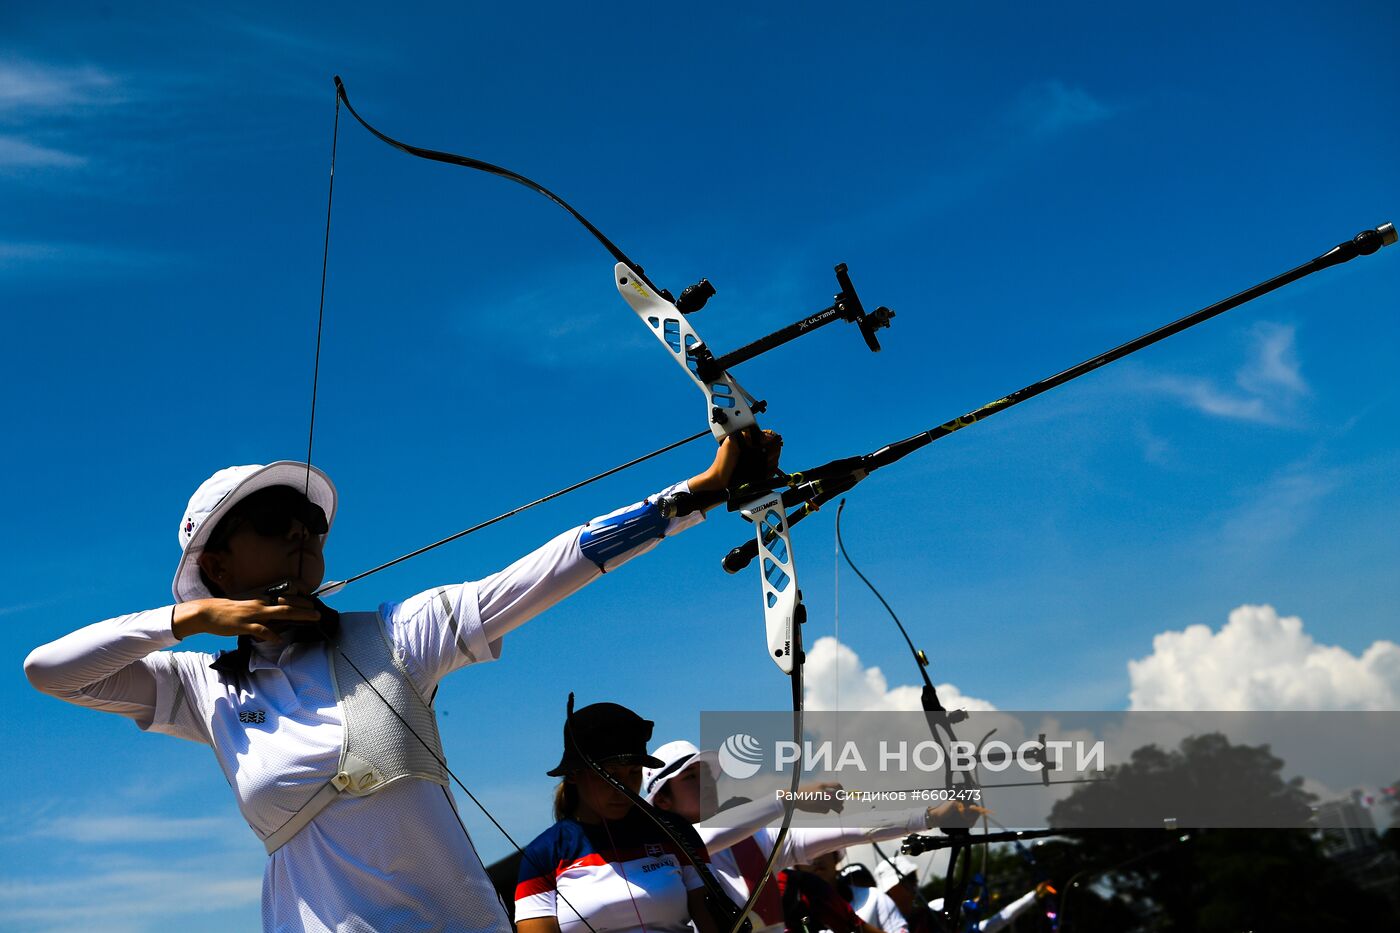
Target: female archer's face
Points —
{"points": [[252, 560], [691, 794], [599, 800]]}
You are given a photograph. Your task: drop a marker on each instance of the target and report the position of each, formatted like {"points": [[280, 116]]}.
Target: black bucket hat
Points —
{"points": [[606, 732]]}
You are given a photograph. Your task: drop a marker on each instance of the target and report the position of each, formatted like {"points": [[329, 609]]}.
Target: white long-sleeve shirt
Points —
{"points": [[1001, 918], [801, 845], [878, 909], [397, 859]]}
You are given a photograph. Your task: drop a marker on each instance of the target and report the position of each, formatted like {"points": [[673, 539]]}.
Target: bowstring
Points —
{"points": [[836, 628], [320, 320], [623, 872], [921, 878], [321, 307], [326, 589], [310, 437]]}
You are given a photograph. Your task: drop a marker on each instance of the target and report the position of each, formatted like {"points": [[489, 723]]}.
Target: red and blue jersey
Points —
{"points": [[624, 876], [809, 903]]}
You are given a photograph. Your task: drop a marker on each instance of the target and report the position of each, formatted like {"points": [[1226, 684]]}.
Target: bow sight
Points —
{"points": [[846, 306], [731, 408]]}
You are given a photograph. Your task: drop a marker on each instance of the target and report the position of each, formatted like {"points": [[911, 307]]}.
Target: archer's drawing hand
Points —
{"points": [[253, 617], [819, 797]]}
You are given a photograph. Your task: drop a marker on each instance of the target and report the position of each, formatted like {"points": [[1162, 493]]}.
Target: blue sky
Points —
{"points": [[1025, 190]]}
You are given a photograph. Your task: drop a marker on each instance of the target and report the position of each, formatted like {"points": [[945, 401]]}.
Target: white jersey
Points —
{"points": [[397, 859], [878, 909], [801, 845]]}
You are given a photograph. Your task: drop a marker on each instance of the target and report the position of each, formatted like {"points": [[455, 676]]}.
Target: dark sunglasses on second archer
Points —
{"points": [[270, 512]]}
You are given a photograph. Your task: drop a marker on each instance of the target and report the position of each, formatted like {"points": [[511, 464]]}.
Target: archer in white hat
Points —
{"points": [[344, 786], [870, 903], [740, 838], [890, 873]]}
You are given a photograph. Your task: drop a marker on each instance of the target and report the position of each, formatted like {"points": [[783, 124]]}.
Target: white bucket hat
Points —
{"points": [[888, 874], [221, 492], [676, 757]]}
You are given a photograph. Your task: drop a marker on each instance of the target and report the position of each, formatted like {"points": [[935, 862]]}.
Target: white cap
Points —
{"points": [[221, 492], [856, 874], [891, 871], [676, 757]]}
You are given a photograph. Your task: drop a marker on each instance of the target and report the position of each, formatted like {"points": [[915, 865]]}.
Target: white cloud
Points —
{"points": [[13, 254], [134, 871], [31, 604], [129, 828], [1273, 366], [69, 259], [1262, 661], [1051, 107], [17, 153], [1278, 509], [1268, 385], [133, 897], [1205, 396], [33, 86], [36, 99], [1155, 448], [525, 323], [836, 680]]}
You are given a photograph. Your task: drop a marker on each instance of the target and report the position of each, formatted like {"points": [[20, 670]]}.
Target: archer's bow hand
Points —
{"points": [[749, 457]]}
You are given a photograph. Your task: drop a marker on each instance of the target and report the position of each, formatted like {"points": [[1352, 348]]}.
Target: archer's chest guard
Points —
{"points": [[377, 748]]}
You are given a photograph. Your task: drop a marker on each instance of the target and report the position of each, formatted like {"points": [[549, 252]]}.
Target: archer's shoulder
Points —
{"points": [[189, 663], [564, 841]]}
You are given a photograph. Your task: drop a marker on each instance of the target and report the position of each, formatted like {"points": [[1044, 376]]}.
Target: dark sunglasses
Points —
{"points": [[270, 513]]}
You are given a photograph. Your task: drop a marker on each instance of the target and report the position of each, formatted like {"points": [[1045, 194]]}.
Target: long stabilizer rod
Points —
{"points": [[810, 489]]}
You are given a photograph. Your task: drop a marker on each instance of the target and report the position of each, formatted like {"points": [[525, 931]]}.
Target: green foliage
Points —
{"points": [[1203, 881], [1208, 782]]}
